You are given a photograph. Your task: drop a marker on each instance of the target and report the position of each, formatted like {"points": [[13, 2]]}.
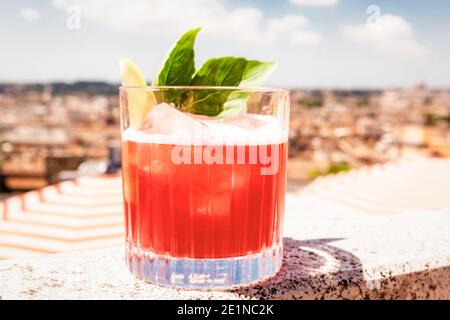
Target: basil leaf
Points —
{"points": [[179, 70], [235, 105], [254, 73], [225, 71], [179, 67]]}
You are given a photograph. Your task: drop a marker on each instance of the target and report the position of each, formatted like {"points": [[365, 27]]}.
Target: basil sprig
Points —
{"points": [[179, 70]]}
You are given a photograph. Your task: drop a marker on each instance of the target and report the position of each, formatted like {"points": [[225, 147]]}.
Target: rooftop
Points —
{"points": [[380, 232]]}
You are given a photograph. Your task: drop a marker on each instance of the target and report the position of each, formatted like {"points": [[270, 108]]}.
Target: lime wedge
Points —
{"points": [[140, 100]]}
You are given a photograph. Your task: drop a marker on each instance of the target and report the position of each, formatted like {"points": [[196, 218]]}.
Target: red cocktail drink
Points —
{"points": [[203, 195], [201, 210]]}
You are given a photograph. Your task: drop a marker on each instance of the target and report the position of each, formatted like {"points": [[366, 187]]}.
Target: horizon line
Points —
{"points": [[288, 87]]}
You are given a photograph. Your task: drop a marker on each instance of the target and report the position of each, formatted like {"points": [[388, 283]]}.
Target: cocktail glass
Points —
{"points": [[204, 196]]}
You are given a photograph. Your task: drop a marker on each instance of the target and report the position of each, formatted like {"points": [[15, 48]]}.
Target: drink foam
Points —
{"points": [[217, 132]]}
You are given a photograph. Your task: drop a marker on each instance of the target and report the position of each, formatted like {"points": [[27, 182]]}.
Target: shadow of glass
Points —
{"points": [[312, 269]]}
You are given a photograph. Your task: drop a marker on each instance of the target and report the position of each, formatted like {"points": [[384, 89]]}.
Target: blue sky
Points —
{"points": [[317, 43]]}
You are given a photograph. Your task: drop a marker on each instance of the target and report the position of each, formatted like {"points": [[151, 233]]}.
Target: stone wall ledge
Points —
{"points": [[331, 252]]}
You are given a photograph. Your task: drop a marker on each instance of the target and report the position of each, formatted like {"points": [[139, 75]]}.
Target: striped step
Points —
{"points": [[86, 213], [16, 253], [60, 233], [386, 189], [65, 221]]}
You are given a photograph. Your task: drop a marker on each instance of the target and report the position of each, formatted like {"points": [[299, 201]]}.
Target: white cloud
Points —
{"points": [[389, 33], [175, 16], [318, 3], [305, 37], [287, 24], [29, 14], [295, 28]]}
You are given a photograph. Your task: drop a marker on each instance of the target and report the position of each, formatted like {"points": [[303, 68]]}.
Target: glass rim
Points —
{"points": [[231, 88]]}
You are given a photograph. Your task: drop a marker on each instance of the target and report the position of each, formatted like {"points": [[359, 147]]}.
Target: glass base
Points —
{"points": [[204, 273]]}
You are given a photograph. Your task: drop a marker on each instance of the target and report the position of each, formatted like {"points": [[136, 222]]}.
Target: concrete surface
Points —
{"points": [[331, 252]]}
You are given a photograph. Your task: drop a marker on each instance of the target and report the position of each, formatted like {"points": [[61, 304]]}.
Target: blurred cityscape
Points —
{"points": [[337, 130], [53, 132]]}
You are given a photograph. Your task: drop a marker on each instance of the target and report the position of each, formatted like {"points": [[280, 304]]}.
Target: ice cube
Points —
{"points": [[247, 122], [166, 123], [259, 129], [256, 124], [167, 120]]}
